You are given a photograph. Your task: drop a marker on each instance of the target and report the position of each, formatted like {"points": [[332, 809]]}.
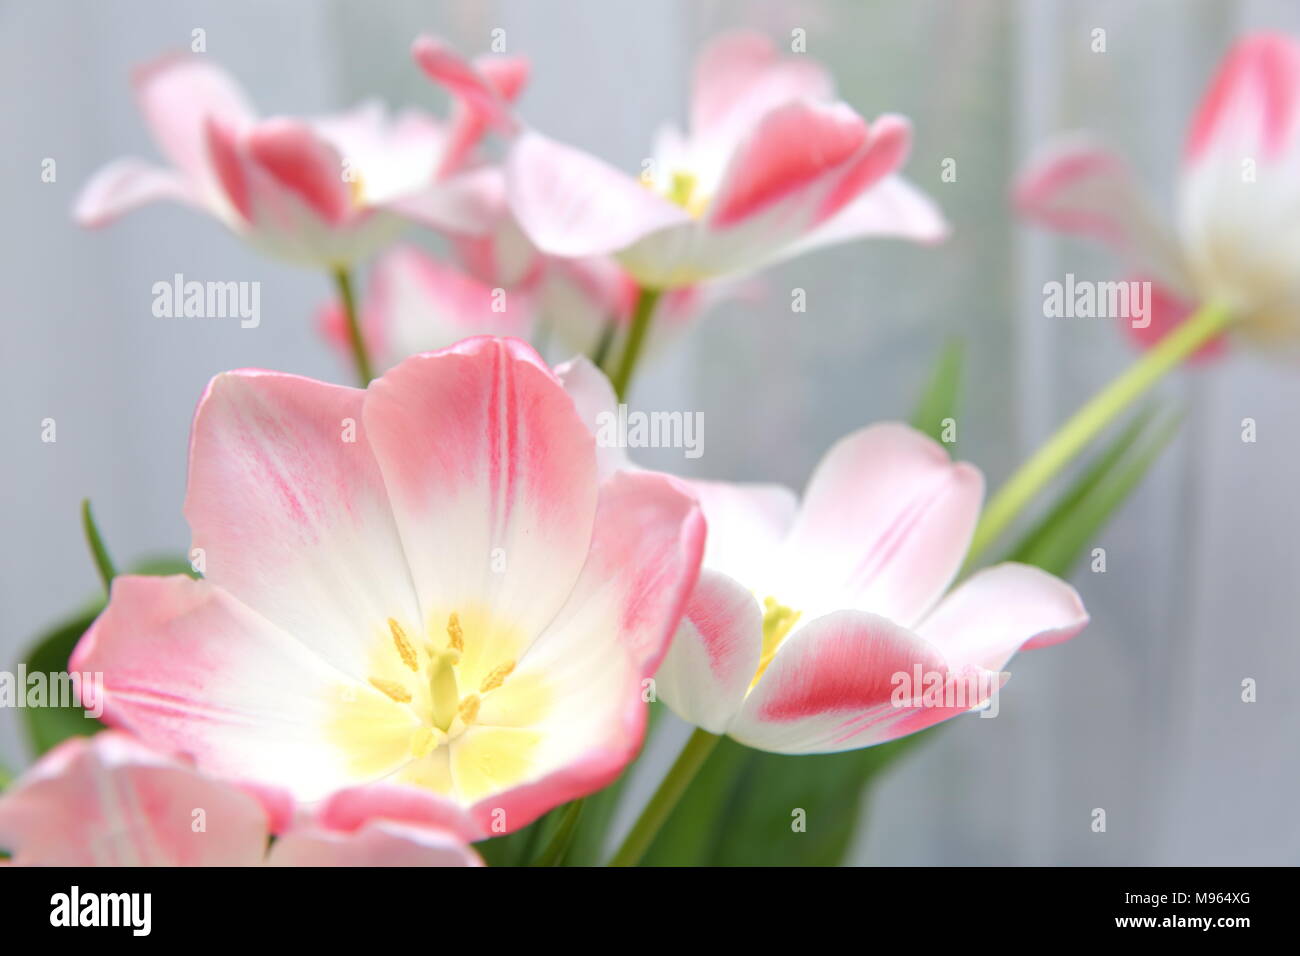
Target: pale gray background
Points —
{"points": [[1140, 716]]}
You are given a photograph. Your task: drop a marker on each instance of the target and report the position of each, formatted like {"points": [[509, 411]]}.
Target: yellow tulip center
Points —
{"points": [[777, 623], [456, 686], [683, 190]]}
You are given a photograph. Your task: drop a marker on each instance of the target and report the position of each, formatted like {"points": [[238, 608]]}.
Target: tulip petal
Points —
{"points": [[384, 158], [583, 676], [1075, 186], [845, 681], [492, 479], [884, 526], [485, 87], [189, 669], [1253, 104], [888, 142], [1000, 610], [466, 204], [108, 800], [739, 77], [644, 559], [179, 96], [747, 523], [792, 149], [302, 162], [714, 655], [572, 204], [891, 209], [594, 399], [290, 511], [379, 843], [124, 185], [415, 303]]}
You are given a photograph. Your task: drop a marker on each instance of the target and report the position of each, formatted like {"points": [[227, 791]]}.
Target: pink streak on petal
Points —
{"points": [[303, 163], [1261, 70], [792, 147]]}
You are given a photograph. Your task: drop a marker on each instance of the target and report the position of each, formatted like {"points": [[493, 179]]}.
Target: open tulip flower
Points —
{"points": [[418, 593], [824, 627], [1238, 231], [772, 167], [110, 801], [324, 192]]}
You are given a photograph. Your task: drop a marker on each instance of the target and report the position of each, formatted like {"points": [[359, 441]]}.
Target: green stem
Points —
{"points": [[688, 764], [553, 855], [103, 563], [1103, 408], [6, 777], [604, 344], [360, 356], [641, 315]]}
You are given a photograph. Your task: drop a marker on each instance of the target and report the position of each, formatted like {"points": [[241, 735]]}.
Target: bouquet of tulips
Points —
{"points": [[429, 615]]}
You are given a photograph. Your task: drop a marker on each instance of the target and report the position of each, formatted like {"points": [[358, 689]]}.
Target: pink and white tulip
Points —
{"points": [[1236, 240], [824, 626], [772, 167], [108, 800], [417, 594], [323, 192]]}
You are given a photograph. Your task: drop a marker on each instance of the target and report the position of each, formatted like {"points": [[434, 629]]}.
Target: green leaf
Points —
{"points": [[517, 848], [1062, 544], [940, 399], [739, 811], [1078, 491], [95, 541], [557, 846], [49, 726], [1061, 537]]}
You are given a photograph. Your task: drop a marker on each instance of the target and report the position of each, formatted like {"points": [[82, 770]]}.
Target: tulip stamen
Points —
{"points": [[392, 689], [405, 649], [496, 677]]}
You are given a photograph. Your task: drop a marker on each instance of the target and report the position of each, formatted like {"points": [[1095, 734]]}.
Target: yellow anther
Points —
{"points": [[496, 677], [454, 633], [469, 708], [404, 646], [424, 741], [392, 689]]}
